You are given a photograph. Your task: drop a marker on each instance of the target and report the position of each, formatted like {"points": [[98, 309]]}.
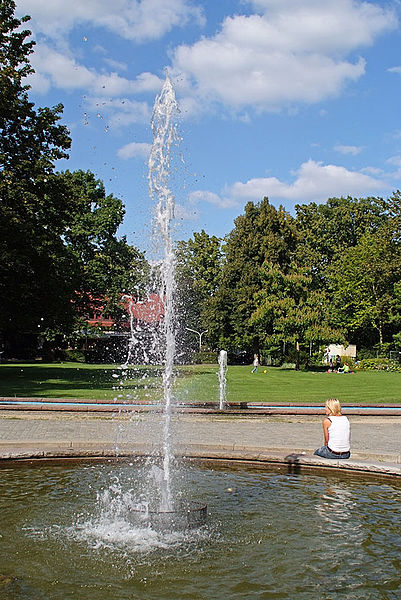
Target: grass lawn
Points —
{"points": [[278, 385], [76, 380], [198, 383]]}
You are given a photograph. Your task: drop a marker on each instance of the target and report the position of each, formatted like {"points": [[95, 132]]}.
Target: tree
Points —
{"points": [[396, 315], [326, 230], [261, 234], [33, 212], [106, 266], [364, 284], [290, 312], [198, 276], [58, 231]]}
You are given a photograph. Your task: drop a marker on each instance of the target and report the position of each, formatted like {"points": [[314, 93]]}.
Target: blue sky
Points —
{"points": [[297, 100]]}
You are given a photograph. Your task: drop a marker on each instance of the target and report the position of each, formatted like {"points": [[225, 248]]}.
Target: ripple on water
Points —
{"points": [[269, 535]]}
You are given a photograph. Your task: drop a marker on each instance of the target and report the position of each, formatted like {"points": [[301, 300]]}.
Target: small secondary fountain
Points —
{"points": [[222, 378]]}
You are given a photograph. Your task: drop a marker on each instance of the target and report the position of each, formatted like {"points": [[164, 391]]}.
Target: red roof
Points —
{"points": [[150, 310]]}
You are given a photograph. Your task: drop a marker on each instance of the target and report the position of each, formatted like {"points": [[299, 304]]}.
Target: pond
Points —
{"points": [[269, 534]]}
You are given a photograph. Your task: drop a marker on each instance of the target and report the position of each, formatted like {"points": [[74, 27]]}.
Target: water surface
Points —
{"points": [[269, 535]]}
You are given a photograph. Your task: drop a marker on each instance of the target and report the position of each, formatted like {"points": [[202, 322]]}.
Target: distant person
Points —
{"points": [[255, 363], [336, 430], [346, 368], [331, 365], [338, 362]]}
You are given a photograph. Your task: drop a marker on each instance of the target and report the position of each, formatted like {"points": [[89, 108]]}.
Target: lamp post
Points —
{"points": [[200, 333]]}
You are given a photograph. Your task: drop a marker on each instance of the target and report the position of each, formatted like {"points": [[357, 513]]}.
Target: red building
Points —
{"points": [[135, 335], [149, 311]]}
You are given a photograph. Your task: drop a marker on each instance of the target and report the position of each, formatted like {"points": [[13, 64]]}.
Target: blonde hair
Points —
{"points": [[334, 406]]}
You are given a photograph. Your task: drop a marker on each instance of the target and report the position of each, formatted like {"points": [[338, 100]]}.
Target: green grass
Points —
{"points": [[278, 385], [197, 383], [76, 380]]}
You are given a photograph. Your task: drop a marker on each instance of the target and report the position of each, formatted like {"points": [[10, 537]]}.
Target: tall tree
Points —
{"points": [[289, 312], [106, 265], [364, 283], [261, 234], [33, 211], [198, 276], [326, 230], [58, 232]]}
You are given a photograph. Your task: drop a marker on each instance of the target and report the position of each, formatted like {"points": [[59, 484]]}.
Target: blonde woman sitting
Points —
{"points": [[336, 430]]}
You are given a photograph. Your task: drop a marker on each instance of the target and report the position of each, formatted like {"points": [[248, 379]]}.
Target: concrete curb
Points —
{"points": [[233, 409], [294, 461]]}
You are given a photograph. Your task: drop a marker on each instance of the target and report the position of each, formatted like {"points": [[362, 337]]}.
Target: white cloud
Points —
{"points": [[292, 52], [58, 69], [105, 93], [395, 70], [372, 171], [135, 149], [354, 150], [287, 52], [138, 20], [314, 182], [328, 26], [394, 160], [211, 198], [119, 112], [62, 70], [115, 64]]}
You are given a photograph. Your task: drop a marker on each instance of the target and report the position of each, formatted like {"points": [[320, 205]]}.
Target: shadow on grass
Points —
{"points": [[41, 381]]}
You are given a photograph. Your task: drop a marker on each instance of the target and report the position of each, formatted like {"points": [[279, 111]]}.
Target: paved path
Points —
{"points": [[376, 443]]}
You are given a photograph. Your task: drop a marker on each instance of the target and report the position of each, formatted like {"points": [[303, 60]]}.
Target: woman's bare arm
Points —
{"points": [[326, 425]]}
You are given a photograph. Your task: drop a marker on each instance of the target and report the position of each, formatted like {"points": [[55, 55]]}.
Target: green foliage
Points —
{"points": [[397, 340], [74, 356], [378, 364], [326, 230], [330, 275], [261, 234], [198, 276], [204, 357], [33, 210], [364, 283], [289, 310], [58, 231], [107, 266]]}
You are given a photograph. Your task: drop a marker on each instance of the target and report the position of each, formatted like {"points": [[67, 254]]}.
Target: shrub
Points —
{"points": [[364, 353], [74, 356], [204, 357], [288, 365], [378, 364]]}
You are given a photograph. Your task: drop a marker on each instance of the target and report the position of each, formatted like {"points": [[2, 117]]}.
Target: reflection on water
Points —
{"points": [[269, 535]]}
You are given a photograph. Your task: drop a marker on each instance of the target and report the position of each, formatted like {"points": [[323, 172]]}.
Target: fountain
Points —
{"points": [[222, 378], [169, 512]]}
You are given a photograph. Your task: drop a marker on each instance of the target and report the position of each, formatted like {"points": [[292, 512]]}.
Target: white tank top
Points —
{"points": [[339, 434]]}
